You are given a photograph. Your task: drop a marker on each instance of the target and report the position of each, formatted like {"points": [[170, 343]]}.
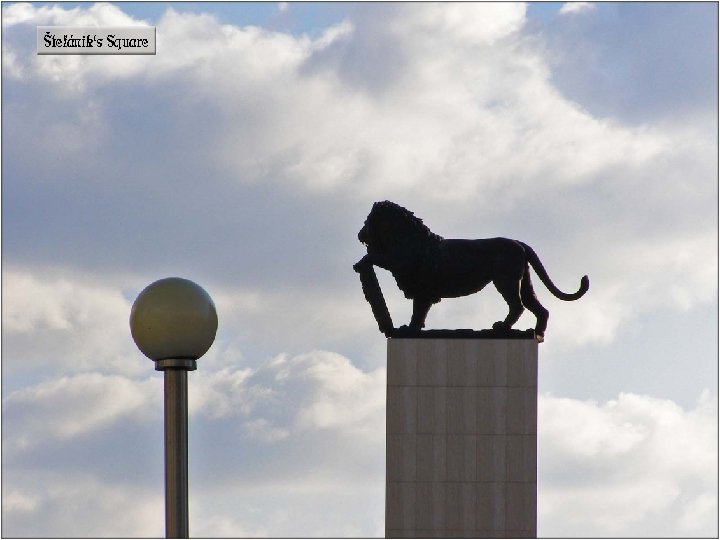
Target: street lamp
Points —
{"points": [[173, 322]]}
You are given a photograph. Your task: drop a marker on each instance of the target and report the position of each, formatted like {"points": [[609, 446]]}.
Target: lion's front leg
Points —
{"points": [[420, 311]]}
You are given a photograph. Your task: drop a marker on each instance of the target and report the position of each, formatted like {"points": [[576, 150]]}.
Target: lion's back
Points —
{"points": [[466, 266]]}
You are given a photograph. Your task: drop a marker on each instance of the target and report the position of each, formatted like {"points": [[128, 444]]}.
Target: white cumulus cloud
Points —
{"points": [[66, 322], [72, 406], [576, 7], [244, 423], [634, 466]]}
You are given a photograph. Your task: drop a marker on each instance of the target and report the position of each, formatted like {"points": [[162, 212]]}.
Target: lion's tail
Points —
{"points": [[534, 261]]}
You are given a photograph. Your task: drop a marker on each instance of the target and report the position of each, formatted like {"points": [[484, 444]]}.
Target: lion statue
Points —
{"points": [[428, 267]]}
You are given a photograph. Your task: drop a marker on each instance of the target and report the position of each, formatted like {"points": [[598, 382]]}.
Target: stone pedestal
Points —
{"points": [[461, 438]]}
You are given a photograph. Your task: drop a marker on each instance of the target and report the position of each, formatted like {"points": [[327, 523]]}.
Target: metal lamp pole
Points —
{"points": [[176, 445], [173, 322]]}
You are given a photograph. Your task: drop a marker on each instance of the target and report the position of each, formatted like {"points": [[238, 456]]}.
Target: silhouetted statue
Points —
{"points": [[427, 268]]}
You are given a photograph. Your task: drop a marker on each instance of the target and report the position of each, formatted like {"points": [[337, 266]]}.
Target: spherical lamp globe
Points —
{"points": [[173, 318]]}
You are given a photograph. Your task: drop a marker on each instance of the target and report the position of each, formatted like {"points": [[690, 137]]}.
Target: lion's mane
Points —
{"points": [[400, 235]]}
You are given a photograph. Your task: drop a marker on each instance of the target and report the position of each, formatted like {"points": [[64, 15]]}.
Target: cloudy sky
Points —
{"points": [[245, 156]]}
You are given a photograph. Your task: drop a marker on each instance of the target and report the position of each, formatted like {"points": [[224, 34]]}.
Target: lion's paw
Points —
{"points": [[404, 330], [362, 266], [500, 325]]}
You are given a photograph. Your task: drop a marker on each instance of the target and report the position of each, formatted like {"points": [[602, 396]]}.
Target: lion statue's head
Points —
{"points": [[400, 235], [388, 223]]}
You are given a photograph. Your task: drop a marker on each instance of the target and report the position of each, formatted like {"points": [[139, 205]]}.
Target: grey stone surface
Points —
{"points": [[461, 438]]}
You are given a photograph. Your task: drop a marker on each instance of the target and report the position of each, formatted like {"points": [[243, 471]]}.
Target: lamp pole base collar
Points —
{"points": [[188, 364]]}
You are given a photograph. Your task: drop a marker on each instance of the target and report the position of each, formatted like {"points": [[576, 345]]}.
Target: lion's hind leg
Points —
{"points": [[509, 288], [530, 301]]}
